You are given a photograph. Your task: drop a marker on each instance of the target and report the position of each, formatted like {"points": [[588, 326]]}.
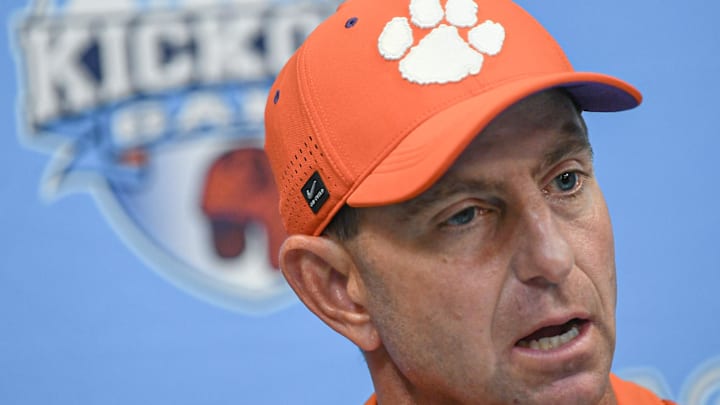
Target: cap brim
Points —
{"points": [[430, 149]]}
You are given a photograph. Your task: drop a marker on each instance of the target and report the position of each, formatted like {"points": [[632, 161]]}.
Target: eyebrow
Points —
{"points": [[572, 140]]}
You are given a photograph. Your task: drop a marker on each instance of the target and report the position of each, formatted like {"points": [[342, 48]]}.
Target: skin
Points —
{"points": [[439, 290]]}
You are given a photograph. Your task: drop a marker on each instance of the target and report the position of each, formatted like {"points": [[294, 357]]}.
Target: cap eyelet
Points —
{"points": [[351, 22], [277, 97]]}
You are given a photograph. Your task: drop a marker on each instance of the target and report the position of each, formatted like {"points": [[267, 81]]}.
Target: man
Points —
{"points": [[436, 181]]}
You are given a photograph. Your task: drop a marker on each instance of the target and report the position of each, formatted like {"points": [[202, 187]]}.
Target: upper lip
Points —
{"points": [[552, 320]]}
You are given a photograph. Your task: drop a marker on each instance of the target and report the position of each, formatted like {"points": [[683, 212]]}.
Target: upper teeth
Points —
{"points": [[549, 343]]}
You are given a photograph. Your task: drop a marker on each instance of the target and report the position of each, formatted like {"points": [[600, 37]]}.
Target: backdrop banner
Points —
{"points": [[132, 147]]}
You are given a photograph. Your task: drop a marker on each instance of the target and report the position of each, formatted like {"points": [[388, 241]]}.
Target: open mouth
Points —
{"points": [[552, 337]]}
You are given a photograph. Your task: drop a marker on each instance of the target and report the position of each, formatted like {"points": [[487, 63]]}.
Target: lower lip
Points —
{"points": [[575, 349]]}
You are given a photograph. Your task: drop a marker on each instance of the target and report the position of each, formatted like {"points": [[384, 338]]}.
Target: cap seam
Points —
{"points": [[318, 122], [319, 115]]}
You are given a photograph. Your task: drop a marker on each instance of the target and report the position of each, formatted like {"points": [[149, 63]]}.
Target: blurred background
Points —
{"points": [[135, 266]]}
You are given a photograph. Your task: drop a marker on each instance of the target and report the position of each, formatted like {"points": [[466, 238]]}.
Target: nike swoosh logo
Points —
{"points": [[310, 193]]}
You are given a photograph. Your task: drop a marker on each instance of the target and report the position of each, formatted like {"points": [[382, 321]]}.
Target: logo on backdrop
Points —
{"points": [[156, 108]]}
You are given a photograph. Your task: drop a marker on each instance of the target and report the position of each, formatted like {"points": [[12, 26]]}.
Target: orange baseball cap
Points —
{"points": [[385, 94]]}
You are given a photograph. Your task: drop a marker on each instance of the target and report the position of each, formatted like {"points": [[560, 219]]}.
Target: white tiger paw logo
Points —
{"points": [[442, 56]]}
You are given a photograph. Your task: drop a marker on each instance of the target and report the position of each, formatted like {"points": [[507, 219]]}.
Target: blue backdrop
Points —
{"points": [[89, 316]]}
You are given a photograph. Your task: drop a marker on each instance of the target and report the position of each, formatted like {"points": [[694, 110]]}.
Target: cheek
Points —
{"points": [[419, 300], [595, 251]]}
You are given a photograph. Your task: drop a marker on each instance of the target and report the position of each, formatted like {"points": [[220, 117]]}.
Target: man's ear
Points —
{"points": [[325, 278]]}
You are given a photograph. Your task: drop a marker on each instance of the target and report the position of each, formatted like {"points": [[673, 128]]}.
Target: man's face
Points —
{"points": [[497, 285]]}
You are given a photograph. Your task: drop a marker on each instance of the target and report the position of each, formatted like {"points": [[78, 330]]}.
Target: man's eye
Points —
{"points": [[463, 217], [567, 181]]}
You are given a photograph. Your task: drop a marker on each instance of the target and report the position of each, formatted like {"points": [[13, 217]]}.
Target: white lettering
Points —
{"points": [[114, 61], [154, 52], [56, 81], [226, 49], [155, 40], [315, 200]]}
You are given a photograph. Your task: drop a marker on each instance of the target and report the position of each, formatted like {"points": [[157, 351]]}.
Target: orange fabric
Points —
{"points": [[627, 393], [340, 109]]}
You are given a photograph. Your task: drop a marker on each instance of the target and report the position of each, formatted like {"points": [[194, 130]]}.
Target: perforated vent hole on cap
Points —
{"points": [[300, 167], [317, 148]]}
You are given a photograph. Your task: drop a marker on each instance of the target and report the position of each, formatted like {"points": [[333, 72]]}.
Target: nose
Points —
{"points": [[543, 254]]}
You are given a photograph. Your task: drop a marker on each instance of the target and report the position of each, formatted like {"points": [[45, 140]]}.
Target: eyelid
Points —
{"points": [[444, 216], [470, 210], [567, 166]]}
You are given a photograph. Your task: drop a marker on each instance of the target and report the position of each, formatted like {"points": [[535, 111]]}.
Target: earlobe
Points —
{"points": [[325, 278]]}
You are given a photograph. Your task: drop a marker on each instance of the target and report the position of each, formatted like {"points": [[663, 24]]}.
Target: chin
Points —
{"points": [[581, 389]]}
